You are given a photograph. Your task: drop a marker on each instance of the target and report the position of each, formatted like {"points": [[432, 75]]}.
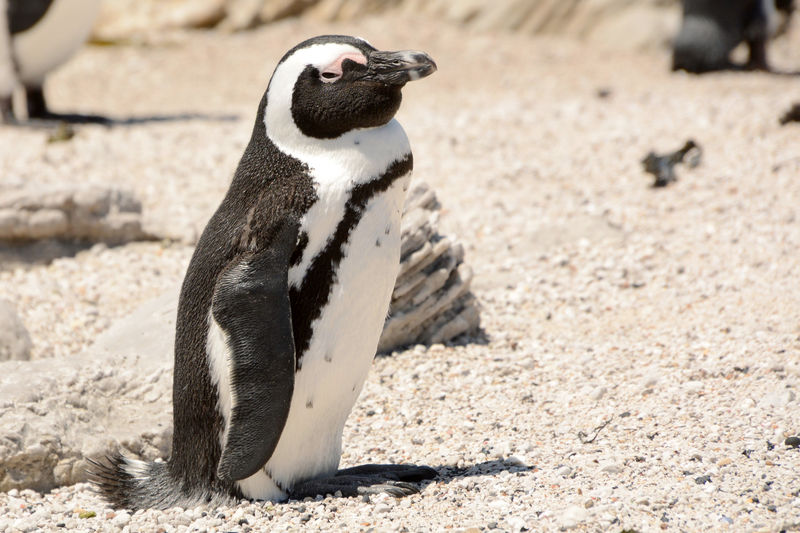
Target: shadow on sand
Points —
{"points": [[55, 119]]}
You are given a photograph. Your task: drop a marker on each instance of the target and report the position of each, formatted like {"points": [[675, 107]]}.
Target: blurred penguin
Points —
{"points": [[711, 29], [36, 36]]}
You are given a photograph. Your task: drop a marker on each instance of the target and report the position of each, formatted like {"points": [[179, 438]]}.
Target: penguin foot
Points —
{"points": [[393, 472], [395, 480], [6, 110]]}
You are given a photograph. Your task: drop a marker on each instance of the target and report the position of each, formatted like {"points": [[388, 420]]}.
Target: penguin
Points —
{"points": [[711, 29], [36, 36], [285, 297]]}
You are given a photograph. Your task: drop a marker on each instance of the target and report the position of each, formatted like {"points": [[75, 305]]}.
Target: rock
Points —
{"points": [[126, 20], [46, 438], [644, 24], [611, 468], [778, 398], [84, 213], [431, 302], [573, 516], [15, 343], [598, 393], [121, 519], [564, 471]]}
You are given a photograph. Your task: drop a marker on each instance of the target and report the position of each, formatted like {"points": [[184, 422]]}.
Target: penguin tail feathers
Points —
{"points": [[132, 484]]}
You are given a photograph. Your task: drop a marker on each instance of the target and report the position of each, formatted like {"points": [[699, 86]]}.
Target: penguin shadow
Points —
{"points": [[13, 255], [479, 337], [57, 120]]}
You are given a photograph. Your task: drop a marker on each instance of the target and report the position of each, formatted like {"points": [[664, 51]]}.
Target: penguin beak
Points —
{"points": [[397, 68]]}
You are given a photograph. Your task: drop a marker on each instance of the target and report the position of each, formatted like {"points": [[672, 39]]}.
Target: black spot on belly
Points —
{"points": [[309, 403], [328, 358], [378, 243], [311, 297]]}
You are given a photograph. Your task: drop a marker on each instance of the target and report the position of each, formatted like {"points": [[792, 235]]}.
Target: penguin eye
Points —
{"points": [[330, 76]]}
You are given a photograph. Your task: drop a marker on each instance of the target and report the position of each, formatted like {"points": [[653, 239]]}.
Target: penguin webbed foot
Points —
{"points": [[395, 480]]}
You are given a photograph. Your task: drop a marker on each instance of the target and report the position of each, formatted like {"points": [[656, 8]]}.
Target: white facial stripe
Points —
{"points": [[278, 120]]}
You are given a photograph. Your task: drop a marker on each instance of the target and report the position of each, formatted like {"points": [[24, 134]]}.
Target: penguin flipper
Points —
{"points": [[251, 304]]}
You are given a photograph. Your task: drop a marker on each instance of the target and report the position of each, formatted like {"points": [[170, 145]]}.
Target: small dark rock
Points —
{"points": [[663, 166], [625, 414], [794, 442], [772, 509], [221, 516], [747, 453], [770, 446], [603, 92], [702, 480]]}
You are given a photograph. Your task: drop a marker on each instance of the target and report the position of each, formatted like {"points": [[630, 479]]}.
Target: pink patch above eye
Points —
{"points": [[336, 66]]}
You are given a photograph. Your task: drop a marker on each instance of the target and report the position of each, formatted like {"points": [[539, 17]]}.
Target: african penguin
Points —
{"points": [[36, 36], [711, 29], [286, 295]]}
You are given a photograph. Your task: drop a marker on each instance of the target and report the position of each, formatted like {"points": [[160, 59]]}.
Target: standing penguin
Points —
{"points": [[711, 29], [285, 297], [36, 36]]}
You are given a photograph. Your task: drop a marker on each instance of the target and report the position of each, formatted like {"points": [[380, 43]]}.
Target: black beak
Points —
{"points": [[397, 68]]}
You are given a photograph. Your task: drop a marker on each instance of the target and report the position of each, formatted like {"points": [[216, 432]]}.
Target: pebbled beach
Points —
{"points": [[639, 365]]}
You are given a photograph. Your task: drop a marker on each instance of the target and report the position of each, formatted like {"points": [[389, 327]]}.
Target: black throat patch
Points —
{"points": [[328, 110], [311, 297]]}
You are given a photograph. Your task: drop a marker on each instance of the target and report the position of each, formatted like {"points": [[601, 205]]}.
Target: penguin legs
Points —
{"points": [[6, 109], [396, 480], [37, 109], [34, 100]]}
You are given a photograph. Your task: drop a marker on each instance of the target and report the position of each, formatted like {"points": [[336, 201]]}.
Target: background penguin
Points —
{"points": [[711, 29], [36, 36], [285, 297]]}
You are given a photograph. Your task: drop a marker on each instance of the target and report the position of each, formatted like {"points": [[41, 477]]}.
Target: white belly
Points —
{"points": [[53, 39], [342, 347]]}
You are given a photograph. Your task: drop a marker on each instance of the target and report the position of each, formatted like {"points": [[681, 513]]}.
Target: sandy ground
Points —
{"points": [[669, 319]]}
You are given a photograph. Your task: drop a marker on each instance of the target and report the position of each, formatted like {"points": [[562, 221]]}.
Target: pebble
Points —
{"points": [[611, 468], [573, 516], [564, 471], [122, 519], [598, 393]]}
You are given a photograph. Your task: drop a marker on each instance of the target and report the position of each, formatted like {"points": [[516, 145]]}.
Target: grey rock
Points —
{"points": [[91, 213], [69, 409], [645, 23], [573, 516], [431, 302], [15, 343], [611, 468]]}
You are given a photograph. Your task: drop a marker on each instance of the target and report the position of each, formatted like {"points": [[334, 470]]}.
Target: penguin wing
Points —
{"points": [[251, 304]]}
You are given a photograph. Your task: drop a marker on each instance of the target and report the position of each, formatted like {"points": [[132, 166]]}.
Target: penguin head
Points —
{"points": [[332, 84]]}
